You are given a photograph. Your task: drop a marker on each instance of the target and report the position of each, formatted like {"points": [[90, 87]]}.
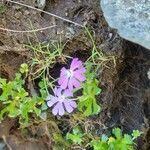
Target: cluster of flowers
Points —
{"points": [[69, 79]]}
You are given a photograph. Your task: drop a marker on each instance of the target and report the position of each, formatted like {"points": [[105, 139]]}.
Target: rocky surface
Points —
{"points": [[148, 74], [130, 17]]}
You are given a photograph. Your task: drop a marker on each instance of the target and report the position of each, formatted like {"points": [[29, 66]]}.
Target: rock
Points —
{"points": [[2, 145], [41, 4], [131, 18], [148, 74]]}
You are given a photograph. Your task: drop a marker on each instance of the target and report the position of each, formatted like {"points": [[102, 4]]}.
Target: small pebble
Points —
{"points": [[41, 4]]}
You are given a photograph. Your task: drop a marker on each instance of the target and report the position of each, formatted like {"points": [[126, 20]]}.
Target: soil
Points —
{"points": [[126, 87]]}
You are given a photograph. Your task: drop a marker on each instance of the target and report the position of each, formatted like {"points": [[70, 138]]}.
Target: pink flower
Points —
{"points": [[72, 78], [61, 101]]}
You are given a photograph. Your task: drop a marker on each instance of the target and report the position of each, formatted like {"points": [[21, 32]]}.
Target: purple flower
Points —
{"points": [[70, 78], [61, 101]]}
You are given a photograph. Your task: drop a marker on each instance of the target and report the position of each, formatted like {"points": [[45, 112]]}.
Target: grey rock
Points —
{"points": [[131, 18], [2, 146], [41, 4], [148, 74]]}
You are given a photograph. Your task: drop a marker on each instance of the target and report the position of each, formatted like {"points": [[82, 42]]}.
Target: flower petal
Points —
{"points": [[73, 104], [68, 107], [63, 71], [81, 70], [70, 84], [76, 83], [61, 109], [60, 80], [73, 83], [76, 63], [68, 93], [63, 82], [58, 91], [55, 110], [49, 97], [63, 75], [79, 76], [58, 109], [52, 101]]}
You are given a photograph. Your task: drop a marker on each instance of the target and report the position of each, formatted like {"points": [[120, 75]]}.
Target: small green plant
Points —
{"points": [[100, 144], [24, 68], [15, 100], [76, 136], [87, 102], [136, 134], [116, 142]]}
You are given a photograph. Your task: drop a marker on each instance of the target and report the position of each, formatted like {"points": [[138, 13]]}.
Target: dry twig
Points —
{"points": [[51, 14], [28, 31]]}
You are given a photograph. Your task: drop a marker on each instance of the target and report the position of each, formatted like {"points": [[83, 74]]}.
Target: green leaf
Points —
{"points": [[88, 106], [11, 109], [43, 90], [117, 133], [44, 107], [76, 136], [127, 139], [2, 82], [24, 68], [6, 91], [136, 134], [87, 102], [43, 116], [99, 145], [37, 111]]}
